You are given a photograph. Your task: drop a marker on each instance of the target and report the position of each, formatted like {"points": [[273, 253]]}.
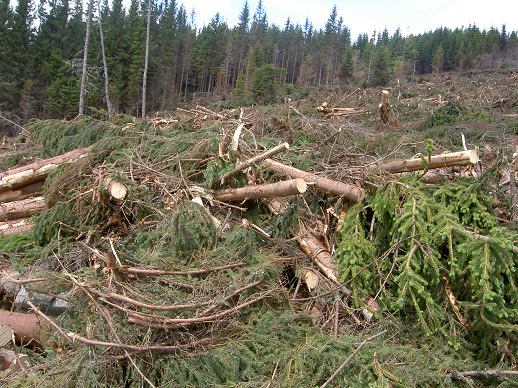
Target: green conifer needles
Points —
{"points": [[435, 255]]}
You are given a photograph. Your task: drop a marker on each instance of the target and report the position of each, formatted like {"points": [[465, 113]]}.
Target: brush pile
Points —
{"points": [[252, 247]]}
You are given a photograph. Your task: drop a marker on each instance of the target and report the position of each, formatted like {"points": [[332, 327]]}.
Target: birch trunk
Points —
{"points": [[146, 60], [109, 106], [85, 59]]}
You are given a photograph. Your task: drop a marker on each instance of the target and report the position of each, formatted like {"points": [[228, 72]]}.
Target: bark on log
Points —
{"points": [[22, 192], [21, 209], [37, 171], [278, 189], [350, 192], [20, 226], [256, 159], [28, 329], [461, 158]]}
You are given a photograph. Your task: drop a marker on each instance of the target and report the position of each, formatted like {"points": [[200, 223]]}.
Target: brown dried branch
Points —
{"points": [[158, 272]]}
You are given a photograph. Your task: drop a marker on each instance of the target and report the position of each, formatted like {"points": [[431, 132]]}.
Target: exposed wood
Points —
{"points": [[329, 112], [320, 255], [256, 159], [22, 192], [272, 190], [350, 192], [384, 107], [28, 329], [14, 362], [37, 171], [21, 209], [234, 145], [20, 226], [461, 158], [116, 189]]}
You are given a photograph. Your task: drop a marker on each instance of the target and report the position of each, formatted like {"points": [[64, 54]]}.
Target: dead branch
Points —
{"points": [[157, 272], [175, 323]]}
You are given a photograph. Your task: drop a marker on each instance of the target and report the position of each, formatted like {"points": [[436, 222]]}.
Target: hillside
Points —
{"points": [[143, 266]]}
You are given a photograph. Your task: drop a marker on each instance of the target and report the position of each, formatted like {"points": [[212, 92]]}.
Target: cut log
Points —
{"points": [[256, 159], [116, 189], [37, 171], [272, 190], [461, 158], [22, 192], [20, 226], [21, 209], [350, 192], [28, 329]]}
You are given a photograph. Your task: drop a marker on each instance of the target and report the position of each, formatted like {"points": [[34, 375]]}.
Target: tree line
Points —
{"points": [[58, 58]]}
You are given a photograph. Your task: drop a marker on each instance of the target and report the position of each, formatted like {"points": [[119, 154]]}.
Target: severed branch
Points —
{"points": [[272, 190], [256, 159], [461, 158], [330, 186]]}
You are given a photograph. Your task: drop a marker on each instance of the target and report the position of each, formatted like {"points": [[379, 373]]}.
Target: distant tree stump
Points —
{"points": [[384, 107]]}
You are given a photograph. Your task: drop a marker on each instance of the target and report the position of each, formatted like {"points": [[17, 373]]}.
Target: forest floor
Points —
{"points": [[405, 279]]}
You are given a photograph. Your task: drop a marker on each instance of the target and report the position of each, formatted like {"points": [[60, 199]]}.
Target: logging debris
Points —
{"points": [[184, 233]]}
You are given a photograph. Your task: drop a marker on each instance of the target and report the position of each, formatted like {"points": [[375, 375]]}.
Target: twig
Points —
{"points": [[51, 322], [333, 376], [158, 272], [491, 372], [9, 279]]}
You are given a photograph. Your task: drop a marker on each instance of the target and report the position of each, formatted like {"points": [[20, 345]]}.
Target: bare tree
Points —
{"points": [[144, 78], [85, 58], [106, 83]]}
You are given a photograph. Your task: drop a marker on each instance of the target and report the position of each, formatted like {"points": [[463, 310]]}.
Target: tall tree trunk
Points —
{"points": [[106, 82], [146, 59], [85, 59]]}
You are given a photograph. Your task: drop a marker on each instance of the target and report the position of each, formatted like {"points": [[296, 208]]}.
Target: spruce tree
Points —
{"points": [[381, 68]]}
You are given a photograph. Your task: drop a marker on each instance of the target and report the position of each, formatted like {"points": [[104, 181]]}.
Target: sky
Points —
{"points": [[366, 16]]}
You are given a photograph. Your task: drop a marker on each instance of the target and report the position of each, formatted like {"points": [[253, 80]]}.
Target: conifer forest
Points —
{"points": [[254, 205]]}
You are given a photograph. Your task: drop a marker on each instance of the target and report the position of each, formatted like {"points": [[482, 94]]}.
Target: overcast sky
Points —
{"points": [[412, 16]]}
